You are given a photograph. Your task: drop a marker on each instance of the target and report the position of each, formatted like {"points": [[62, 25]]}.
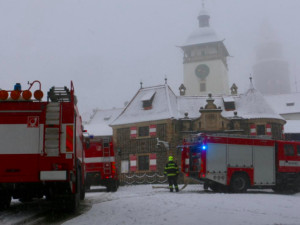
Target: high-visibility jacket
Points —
{"points": [[171, 169]]}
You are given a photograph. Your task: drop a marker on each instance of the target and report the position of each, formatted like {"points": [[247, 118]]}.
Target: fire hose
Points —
{"points": [[186, 181]]}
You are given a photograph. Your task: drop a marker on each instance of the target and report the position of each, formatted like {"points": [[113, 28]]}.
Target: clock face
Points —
{"points": [[202, 71]]}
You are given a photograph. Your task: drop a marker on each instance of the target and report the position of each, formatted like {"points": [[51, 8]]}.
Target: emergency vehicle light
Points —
{"points": [[204, 147], [38, 95], [3, 95], [15, 95], [26, 94]]}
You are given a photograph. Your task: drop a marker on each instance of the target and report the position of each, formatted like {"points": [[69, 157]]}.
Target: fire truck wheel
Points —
{"points": [[239, 183], [4, 201], [205, 186], [214, 187], [82, 189], [73, 200], [112, 186]]}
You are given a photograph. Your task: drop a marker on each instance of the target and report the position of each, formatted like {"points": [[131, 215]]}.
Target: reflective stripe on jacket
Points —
{"points": [[171, 169]]}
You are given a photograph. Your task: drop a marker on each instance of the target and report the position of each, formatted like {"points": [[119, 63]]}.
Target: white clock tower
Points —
{"points": [[205, 61]]}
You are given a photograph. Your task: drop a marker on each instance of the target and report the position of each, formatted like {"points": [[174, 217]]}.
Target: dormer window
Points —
{"points": [[147, 100], [229, 103], [290, 104]]}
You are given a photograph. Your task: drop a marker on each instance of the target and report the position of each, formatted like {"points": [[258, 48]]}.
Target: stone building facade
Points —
{"points": [[146, 133]]}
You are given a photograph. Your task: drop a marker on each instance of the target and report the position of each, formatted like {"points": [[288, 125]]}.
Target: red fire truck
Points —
{"points": [[100, 164], [236, 163], [41, 143]]}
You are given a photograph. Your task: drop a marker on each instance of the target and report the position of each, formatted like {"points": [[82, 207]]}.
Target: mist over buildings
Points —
{"points": [[108, 47]]}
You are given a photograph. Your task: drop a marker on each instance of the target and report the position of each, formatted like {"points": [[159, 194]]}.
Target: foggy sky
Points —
{"points": [[107, 47]]}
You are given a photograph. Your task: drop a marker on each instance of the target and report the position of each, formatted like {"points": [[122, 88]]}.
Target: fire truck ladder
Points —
{"points": [[107, 164], [52, 129], [59, 94], [56, 95]]}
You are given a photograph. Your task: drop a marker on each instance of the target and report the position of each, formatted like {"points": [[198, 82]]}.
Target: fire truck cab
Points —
{"points": [[236, 163], [100, 164]]}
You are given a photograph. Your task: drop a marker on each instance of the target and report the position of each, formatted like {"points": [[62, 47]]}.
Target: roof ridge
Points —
{"points": [[168, 100]]}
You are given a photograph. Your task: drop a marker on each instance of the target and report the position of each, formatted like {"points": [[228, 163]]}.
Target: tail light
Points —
{"points": [[59, 166], [113, 168]]}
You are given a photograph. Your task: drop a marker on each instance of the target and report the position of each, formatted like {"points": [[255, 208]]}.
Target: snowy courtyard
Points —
{"points": [[143, 205]]}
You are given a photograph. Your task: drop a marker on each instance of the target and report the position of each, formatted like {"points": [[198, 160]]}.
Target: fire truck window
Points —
{"points": [[143, 162], [143, 131], [288, 150], [261, 130], [105, 143], [298, 149]]}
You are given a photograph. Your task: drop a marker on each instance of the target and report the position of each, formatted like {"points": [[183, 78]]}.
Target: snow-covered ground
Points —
{"points": [[143, 205]]}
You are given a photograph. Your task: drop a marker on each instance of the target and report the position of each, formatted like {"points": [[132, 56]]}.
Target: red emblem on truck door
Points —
{"points": [[33, 121]]}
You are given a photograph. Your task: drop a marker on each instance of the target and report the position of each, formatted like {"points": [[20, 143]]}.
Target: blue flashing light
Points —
{"points": [[204, 147]]}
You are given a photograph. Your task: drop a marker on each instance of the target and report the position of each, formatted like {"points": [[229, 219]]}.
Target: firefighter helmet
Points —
{"points": [[170, 158]]}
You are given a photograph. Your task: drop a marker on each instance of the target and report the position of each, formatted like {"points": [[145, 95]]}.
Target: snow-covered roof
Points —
{"points": [[285, 103], [292, 127], [253, 105], [148, 95], [202, 35], [98, 125], [203, 12], [164, 106], [167, 105]]}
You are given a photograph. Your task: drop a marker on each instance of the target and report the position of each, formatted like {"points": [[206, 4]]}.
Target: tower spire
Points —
{"points": [[251, 83], [203, 17]]}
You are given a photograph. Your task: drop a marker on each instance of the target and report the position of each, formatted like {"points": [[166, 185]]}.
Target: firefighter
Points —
{"points": [[171, 171]]}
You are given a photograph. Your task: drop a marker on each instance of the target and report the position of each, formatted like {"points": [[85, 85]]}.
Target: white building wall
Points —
{"points": [[216, 81]]}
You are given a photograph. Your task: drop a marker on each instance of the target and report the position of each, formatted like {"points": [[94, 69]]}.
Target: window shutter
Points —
{"points": [[252, 129], [269, 129], [132, 163], [152, 162], [133, 132], [152, 130]]}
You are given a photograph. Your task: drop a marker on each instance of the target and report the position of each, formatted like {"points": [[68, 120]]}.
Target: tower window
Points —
{"points": [[202, 86]]}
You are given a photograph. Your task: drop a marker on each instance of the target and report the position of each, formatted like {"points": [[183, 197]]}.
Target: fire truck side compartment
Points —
{"points": [[264, 165], [216, 164]]}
